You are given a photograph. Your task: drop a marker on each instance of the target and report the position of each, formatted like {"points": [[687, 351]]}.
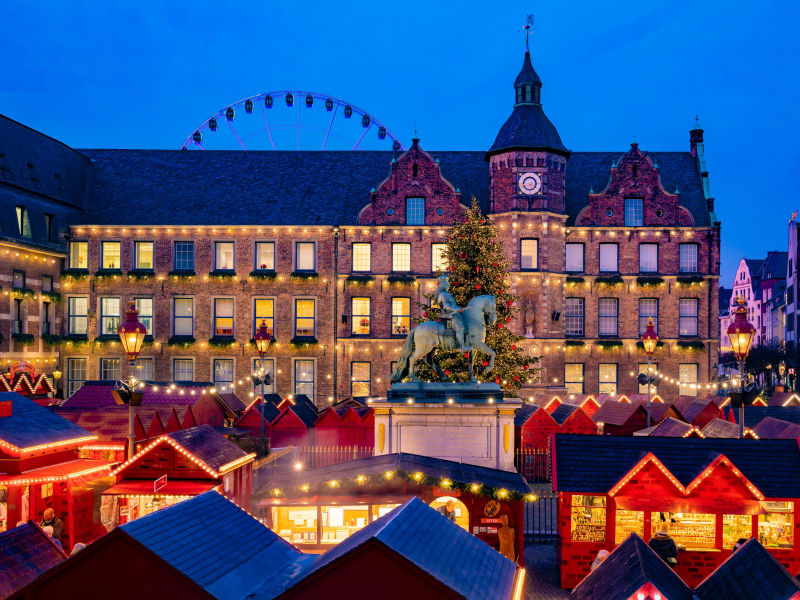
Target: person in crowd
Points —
{"points": [[48, 529], [601, 556], [53, 521], [77, 548], [448, 510], [663, 545], [739, 543]]}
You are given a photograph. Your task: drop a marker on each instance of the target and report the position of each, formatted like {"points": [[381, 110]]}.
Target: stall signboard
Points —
{"points": [[159, 483]]}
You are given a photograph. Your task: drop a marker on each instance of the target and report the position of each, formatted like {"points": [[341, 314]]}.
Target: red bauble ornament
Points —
{"points": [[447, 371], [466, 354], [485, 363], [497, 380], [494, 265], [425, 314], [516, 377], [460, 255], [526, 366], [508, 319], [509, 303], [499, 325], [477, 268], [477, 286], [513, 346]]}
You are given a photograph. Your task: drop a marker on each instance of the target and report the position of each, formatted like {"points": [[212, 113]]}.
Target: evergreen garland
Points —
{"points": [[477, 265]]}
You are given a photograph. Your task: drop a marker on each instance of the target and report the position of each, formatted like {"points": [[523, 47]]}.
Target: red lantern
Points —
{"points": [[131, 333], [262, 338]]}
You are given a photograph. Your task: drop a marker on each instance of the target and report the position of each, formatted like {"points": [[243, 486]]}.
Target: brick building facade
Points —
{"points": [[334, 250]]}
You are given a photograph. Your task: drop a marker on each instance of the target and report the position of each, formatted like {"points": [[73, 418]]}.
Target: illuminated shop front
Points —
{"points": [[320, 508], [706, 493]]}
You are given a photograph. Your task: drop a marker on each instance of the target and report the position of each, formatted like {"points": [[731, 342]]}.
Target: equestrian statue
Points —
{"points": [[458, 330]]}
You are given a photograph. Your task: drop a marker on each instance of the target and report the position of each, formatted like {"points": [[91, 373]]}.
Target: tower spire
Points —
{"points": [[528, 30]]}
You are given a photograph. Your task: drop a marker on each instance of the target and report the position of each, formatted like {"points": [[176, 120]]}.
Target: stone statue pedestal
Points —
{"points": [[464, 422]]}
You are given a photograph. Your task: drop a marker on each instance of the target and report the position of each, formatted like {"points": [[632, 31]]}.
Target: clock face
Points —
{"points": [[530, 183]]}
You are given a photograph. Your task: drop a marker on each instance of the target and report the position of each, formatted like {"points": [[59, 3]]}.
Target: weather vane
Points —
{"points": [[528, 29]]}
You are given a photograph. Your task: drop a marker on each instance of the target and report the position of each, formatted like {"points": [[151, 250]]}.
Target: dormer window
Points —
{"points": [[23, 222]]}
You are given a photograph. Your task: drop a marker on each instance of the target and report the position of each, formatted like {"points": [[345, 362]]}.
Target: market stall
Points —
{"points": [[706, 493]]}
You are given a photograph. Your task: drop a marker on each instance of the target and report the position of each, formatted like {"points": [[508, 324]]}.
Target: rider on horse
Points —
{"points": [[450, 311]]}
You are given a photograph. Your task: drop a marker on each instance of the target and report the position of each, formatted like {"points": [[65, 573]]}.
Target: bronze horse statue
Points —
{"points": [[480, 313]]}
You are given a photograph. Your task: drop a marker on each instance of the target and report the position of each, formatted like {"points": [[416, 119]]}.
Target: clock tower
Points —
{"points": [[527, 161]]}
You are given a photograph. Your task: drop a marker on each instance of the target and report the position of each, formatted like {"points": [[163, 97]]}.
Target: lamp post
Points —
{"points": [[262, 339], [131, 336], [649, 341], [56, 380], [741, 333]]}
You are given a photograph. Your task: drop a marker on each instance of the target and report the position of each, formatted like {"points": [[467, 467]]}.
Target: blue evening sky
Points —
{"points": [[144, 74]]}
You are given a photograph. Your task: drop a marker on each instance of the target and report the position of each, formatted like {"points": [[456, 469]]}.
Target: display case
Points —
{"points": [[691, 531], [295, 524], [588, 518], [735, 528], [628, 522], [338, 522], [776, 525]]}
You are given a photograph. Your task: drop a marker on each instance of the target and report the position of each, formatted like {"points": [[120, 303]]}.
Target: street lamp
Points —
{"points": [[741, 333], [56, 379], [649, 341], [131, 336], [262, 338]]}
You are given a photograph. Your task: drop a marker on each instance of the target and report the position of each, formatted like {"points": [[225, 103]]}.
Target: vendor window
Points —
{"points": [[573, 377], [109, 369], [361, 257], [265, 256], [687, 377], [607, 378], [438, 258], [110, 255], [360, 379], [628, 522], [109, 316], [401, 316], [223, 256], [361, 316], [691, 531], [588, 518], [776, 526], [401, 258], [297, 525], [735, 528], [143, 252], [654, 385], [264, 311], [79, 255], [379, 510], [338, 522], [223, 317]]}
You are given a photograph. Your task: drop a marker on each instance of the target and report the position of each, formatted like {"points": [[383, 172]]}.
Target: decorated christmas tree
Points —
{"points": [[477, 265]]}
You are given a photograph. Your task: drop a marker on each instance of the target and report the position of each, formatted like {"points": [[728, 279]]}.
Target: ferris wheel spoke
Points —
{"points": [[269, 132], [366, 129], [241, 143], [198, 144], [327, 133]]}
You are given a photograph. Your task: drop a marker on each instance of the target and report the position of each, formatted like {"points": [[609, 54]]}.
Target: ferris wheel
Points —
{"points": [[292, 120]]}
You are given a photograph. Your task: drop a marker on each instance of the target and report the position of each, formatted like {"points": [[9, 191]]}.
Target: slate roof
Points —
{"points": [[623, 572], [25, 553], [774, 266], [528, 128], [524, 413], [750, 572], [720, 428], [302, 406], [563, 412], [268, 410], [233, 402], [695, 408], [616, 413], [31, 424], [658, 410], [437, 546], [669, 427], [781, 398], [411, 463], [753, 415], [108, 424], [594, 463], [214, 543], [208, 445], [226, 187]]}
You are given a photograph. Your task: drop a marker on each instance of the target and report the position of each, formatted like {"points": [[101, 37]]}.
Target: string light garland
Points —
{"points": [[692, 386], [418, 478], [29, 449], [54, 478]]}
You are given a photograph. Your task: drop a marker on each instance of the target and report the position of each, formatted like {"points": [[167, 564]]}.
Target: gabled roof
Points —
{"points": [[33, 425], [410, 463], [669, 427], [214, 543], [524, 413], [629, 567], [774, 266], [750, 572], [784, 399], [233, 402], [108, 424], [616, 413], [594, 464], [563, 412], [771, 428], [753, 415], [437, 546], [720, 428], [25, 553], [210, 446], [302, 406], [691, 411]]}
